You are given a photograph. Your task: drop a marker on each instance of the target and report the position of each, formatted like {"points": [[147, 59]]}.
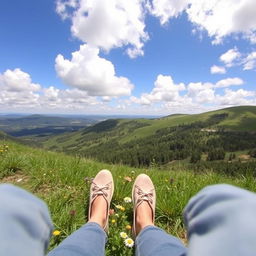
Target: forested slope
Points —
{"points": [[141, 142]]}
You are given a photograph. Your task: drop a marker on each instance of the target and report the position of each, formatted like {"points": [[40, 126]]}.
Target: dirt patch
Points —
{"points": [[244, 157], [43, 189], [17, 178]]}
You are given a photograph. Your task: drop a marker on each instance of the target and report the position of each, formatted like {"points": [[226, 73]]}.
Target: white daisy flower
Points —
{"points": [[129, 242], [127, 200], [123, 235]]}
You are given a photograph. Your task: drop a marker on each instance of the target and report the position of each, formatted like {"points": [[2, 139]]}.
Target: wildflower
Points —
{"points": [[123, 235], [111, 211], [113, 221], [72, 212], [120, 207], [117, 215], [128, 227], [127, 199], [88, 180], [56, 232], [128, 179], [129, 242]]}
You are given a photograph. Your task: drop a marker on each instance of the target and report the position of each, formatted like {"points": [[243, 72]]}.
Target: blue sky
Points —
{"points": [[138, 57]]}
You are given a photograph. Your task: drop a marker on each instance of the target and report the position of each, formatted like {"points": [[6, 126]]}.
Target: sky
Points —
{"points": [[136, 57]]}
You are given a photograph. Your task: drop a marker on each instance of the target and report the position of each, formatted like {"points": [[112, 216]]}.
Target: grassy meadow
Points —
{"points": [[63, 183]]}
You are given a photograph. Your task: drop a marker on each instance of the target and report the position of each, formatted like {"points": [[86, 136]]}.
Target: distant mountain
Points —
{"points": [[33, 121], [42, 125], [4, 136]]}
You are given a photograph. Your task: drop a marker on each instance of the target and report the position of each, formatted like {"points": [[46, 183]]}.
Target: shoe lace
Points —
{"points": [[143, 196], [100, 190]]}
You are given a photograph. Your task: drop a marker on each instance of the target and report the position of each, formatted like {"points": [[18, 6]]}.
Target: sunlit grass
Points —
{"points": [[63, 182]]}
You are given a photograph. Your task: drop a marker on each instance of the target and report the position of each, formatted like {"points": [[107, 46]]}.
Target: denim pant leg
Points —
{"points": [[25, 224], [153, 241], [89, 240], [221, 221]]}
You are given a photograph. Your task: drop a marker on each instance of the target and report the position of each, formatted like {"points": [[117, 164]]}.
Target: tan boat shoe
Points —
{"points": [[102, 184], [143, 190]]}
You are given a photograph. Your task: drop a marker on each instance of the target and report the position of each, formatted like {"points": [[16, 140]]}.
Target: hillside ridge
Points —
{"points": [[142, 141]]}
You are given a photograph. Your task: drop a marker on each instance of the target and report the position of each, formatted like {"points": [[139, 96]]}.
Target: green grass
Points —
{"points": [[60, 181]]}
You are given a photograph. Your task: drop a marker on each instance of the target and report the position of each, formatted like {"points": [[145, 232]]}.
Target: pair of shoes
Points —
{"points": [[143, 190]]}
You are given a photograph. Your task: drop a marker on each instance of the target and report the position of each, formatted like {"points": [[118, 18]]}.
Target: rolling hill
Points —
{"points": [[241, 118], [4, 136]]}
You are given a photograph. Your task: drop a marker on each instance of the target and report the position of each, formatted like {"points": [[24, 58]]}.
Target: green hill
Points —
{"points": [[140, 142], [241, 118], [63, 182], [4, 136]]}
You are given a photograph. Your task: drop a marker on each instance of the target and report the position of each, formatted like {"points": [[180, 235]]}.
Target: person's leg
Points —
{"points": [[151, 240], [221, 221], [90, 239], [25, 223]]}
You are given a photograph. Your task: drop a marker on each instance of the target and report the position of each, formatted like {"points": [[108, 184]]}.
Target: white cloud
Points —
{"points": [[196, 94], [20, 99], [166, 97], [229, 57], [51, 94], [107, 24], [250, 61], [218, 70], [17, 89], [219, 18], [201, 92], [166, 9], [229, 82], [17, 81], [239, 97], [19, 93], [68, 99], [65, 8], [165, 90], [91, 73], [234, 58]]}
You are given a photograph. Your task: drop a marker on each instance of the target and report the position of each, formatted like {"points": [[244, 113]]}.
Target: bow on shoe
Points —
{"points": [[145, 196], [100, 190]]}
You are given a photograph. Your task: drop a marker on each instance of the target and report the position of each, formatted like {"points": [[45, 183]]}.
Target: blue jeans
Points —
{"points": [[220, 220]]}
